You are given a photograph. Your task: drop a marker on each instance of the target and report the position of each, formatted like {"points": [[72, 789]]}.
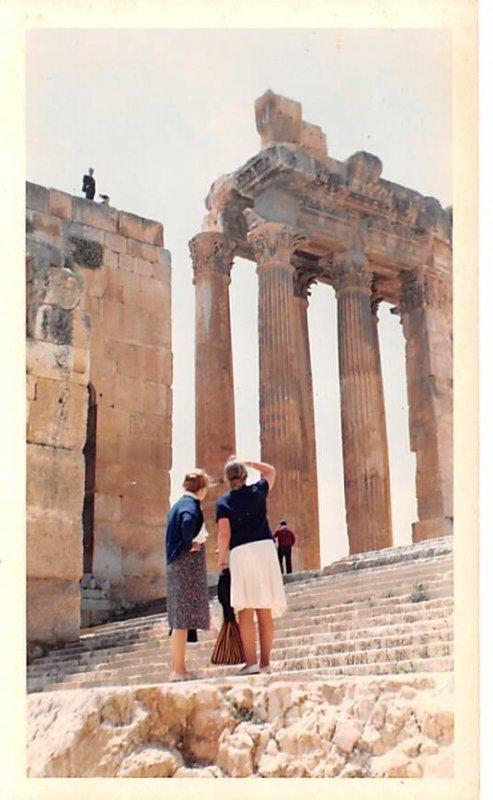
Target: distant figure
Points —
{"points": [[89, 185], [285, 539], [105, 199]]}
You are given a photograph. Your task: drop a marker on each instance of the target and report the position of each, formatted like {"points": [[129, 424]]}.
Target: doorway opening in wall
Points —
{"points": [[89, 452]]}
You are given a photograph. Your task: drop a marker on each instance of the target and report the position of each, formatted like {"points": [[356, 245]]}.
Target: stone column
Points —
{"points": [[364, 439], [309, 478], [279, 373], [426, 316], [212, 255]]}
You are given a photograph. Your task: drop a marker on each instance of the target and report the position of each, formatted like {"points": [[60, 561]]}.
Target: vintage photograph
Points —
{"points": [[241, 528]]}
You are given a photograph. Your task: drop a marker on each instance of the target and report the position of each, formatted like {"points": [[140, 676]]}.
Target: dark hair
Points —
{"points": [[282, 522], [235, 473], [195, 480]]}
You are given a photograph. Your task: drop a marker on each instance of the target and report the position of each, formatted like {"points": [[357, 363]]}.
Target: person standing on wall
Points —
{"points": [[245, 537], [186, 573], [285, 540], [89, 184]]}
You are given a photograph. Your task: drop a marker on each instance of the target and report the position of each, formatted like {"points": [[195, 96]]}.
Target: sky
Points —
{"points": [[160, 114]]}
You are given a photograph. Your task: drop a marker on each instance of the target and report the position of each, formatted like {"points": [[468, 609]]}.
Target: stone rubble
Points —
{"points": [[260, 727]]}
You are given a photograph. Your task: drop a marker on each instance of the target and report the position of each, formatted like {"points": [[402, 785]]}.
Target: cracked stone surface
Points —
{"points": [[368, 727]]}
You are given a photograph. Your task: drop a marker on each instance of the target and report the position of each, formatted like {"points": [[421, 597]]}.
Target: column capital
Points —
{"points": [[351, 270], [273, 244], [212, 253], [424, 288]]}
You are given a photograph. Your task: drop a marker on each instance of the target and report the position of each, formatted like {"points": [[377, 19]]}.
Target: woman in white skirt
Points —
{"points": [[256, 581]]}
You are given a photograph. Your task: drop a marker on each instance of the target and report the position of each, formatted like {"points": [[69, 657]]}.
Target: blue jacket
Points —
{"points": [[185, 520]]}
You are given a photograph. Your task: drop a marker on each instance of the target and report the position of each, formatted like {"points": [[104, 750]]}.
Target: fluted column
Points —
{"points": [[279, 374], [308, 461], [426, 316], [212, 255], [364, 439]]}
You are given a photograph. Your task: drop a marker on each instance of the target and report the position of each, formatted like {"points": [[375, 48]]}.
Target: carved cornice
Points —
{"points": [[273, 244], [212, 253], [351, 270]]}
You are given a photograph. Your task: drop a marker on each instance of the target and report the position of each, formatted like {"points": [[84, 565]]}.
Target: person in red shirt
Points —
{"points": [[285, 540]]}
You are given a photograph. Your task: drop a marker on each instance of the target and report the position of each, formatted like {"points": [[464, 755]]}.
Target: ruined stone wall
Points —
{"points": [[117, 261], [58, 336]]}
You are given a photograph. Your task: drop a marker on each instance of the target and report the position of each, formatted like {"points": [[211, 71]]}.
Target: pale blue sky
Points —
{"points": [[160, 114]]}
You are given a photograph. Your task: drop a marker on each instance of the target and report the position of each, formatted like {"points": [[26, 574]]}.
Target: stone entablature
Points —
{"points": [[98, 337], [298, 212]]}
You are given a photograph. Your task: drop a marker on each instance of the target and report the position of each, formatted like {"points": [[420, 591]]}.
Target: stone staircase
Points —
{"points": [[385, 612]]}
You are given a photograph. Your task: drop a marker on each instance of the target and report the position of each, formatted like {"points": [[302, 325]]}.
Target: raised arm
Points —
{"points": [[266, 470]]}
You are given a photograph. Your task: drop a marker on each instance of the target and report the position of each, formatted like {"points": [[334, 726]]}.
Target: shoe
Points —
{"points": [[249, 669], [182, 676], [266, 670]]}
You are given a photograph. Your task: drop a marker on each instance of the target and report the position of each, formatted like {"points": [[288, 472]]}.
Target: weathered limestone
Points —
{"points": [[329, 208], [99, 327], [212, 256], [387, 727], [364, 439], [425, 308], [57, 376]]}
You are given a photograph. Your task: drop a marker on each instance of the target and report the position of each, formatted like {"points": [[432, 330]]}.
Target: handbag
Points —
{"points": [[228, 648]]}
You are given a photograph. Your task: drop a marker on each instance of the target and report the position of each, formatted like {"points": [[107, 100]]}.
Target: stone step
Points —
{"points": [[287, 657], [411, 571], [283, 649], [360, 616], [361, 619], [415, 665]]}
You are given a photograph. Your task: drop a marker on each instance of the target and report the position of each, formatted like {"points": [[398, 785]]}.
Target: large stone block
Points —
{"points": [[107, 555], [77, 230], [52, 324], [278, 119], [313, 141], [94, 214], [54, 546], [161, 269], [46, 223], [115, 242], [147, 252], [153, 296], [140, 589], [64, 288], [140, 361], [150, 425], [144, 230], [135, 394], [60, 204], [55, 480], [154, 452], [37, 197], [111, 422], [58, 415], [53, 611], [57, 362], [148, 512], [107, 507], [131, 479]]}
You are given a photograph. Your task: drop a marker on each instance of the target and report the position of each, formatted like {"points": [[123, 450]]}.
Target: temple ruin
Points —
{"points": [[99, 373], [304, 217]]}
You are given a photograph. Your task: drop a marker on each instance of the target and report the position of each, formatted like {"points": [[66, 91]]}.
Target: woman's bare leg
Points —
{"points": [[247, 632], [266, 633], [178, 645]]}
